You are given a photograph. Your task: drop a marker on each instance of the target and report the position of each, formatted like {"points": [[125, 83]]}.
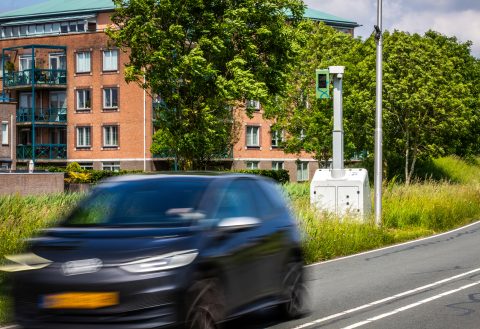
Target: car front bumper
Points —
{"points": [[151, 300]]}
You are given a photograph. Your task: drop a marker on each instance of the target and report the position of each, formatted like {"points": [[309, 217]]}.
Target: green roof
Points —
{"points": [[59, 7], [75, 7], [327, 18]]}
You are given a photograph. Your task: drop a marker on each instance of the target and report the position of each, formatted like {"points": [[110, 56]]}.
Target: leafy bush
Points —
{"points": [[280, 176]]}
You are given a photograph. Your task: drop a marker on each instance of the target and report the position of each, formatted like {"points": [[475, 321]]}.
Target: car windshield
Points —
{"points": [[164, 202]]}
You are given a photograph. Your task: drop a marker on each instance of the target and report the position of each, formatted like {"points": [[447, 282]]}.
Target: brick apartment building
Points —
{"points": [[70, 102]]}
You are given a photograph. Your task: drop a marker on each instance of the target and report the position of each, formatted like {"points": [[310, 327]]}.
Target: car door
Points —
{"points": [[240, 249], [274, 240]]}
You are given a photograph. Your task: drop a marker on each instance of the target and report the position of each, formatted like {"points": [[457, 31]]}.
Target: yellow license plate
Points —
{"points": [[80, 300]]}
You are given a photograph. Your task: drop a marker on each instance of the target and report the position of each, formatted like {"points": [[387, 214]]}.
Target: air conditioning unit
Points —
{"points": [[252, 104]]}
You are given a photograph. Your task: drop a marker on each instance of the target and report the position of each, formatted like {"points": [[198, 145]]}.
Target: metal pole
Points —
{"points": [[337, 125], [378, 121], [32, 81]]}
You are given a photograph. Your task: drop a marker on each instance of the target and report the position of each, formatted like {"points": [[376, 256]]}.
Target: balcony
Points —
{"points": [[51, 115], [37, 77], [42, 152]]}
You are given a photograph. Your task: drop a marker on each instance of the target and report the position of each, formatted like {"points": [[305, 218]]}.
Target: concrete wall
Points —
{"points": [[27, 184]]}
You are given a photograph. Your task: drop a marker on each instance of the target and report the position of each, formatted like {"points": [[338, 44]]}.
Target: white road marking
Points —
{"points": [[387, 299], [392, 246], [407, 307], [9, 327]]}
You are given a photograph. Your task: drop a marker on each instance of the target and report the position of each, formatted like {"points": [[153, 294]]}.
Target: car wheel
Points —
{"points": [[206, 306], [295, 291]]}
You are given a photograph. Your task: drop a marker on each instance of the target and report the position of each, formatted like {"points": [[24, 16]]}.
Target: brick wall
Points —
{"points": [[35, 183]]}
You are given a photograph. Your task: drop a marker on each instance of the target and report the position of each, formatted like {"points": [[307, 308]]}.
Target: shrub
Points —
{"points": [[280, 176]]}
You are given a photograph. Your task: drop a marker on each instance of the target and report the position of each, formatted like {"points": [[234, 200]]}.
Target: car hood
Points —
{"points": [[112, 245]]}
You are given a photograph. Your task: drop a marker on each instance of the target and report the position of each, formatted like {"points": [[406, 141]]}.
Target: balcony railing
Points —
{"points": [[42, 151], [42, 115], [38, 76]]}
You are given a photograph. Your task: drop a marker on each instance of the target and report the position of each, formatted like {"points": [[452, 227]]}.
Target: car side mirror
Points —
{"points": [[233, 224]]}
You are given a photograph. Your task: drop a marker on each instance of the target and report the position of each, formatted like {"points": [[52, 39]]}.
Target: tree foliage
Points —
{"points": [[201, 57], [430, 97]]}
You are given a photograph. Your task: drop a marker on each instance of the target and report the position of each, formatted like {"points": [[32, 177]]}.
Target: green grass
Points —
{"points": [[20, 218], [409, 212]]}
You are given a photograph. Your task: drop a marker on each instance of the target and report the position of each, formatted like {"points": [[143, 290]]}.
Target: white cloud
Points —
{"points": [[460, 18]]}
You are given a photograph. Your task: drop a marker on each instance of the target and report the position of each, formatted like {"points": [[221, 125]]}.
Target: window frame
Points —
{"points": [[111, 164], [248, 139], [277, 138], [115, 62], [78, 60], [81, 131], [5, 133], [78, 98], [304, 175], [255, 165], [104, 98], [114, 131], [276, 163]]}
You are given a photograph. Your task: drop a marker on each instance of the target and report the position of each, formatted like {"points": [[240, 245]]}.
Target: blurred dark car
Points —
{"points": [[161, 250]]}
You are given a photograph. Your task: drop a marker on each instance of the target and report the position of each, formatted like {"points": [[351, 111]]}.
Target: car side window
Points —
{"points": [[238, 200]]}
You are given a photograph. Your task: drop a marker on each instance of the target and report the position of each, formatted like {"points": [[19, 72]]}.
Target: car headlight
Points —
{"points": [[24, 262], [161, 263]]}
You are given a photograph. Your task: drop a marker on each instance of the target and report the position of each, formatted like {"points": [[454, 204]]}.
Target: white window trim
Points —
{"points": [[82, 133], [275, 165], [250, 136], [111, 165], [252, 165], [82, 92], [85, 67], [110, 136], [110, 97], [303, 173], [110, 63], [5, 132]]}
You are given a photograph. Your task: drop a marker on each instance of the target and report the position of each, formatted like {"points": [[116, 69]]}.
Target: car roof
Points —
{"points": [[185, 175]]}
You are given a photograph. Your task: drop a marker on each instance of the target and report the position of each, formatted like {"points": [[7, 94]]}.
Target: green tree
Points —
{"points": [[201, 57], [427, 98], [307, 121]]}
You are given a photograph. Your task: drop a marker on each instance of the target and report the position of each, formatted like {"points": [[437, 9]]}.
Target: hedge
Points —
{"points": [[280, 176]]}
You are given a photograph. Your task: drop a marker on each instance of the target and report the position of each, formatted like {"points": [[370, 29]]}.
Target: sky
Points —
{"points": [[460, 18]]}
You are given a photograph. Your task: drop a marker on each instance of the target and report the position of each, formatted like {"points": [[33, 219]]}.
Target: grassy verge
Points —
{"points": [[22, 217], [409, 212]]}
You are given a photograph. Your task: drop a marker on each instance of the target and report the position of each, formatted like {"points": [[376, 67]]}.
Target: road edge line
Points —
{"points": [[392, 246]]}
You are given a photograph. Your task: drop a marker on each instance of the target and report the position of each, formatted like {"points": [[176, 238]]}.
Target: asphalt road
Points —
{"points": [[428, 283]]}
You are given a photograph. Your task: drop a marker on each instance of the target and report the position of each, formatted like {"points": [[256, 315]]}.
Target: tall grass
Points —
{"points": [[20, 218], [409, 212]]}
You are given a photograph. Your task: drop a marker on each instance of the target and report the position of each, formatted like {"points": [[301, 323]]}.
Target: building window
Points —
{"points": [[110, 98], [84, 137], [302, 134], [111, 166], [84, 101], [4, 133], [25, 62], [277, 138], [86, 165], [110, 60], [252, 164], [253, 105], [83, 62], [302, 171], [110, 136], [277, 165], [253, 136]]}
